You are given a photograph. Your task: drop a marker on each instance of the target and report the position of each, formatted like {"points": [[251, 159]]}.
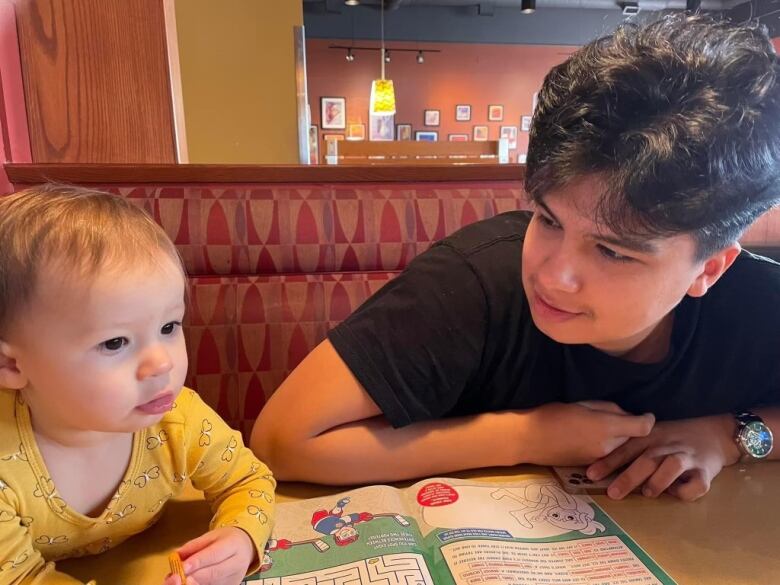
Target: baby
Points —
{"points": [[96, 431]]}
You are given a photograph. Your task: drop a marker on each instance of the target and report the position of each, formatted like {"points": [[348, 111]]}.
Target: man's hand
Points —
{"points": [[219, 557], [679, 457], [580, 433]]}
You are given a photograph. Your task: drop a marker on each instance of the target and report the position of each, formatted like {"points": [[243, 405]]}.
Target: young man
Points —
{"points": [[620, 323]]}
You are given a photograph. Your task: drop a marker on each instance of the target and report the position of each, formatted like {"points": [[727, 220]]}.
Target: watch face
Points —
{"points": [[756, 439]]}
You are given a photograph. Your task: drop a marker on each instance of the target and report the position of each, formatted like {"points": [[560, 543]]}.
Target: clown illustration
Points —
{"points": [[272, 545], [339, 525]]}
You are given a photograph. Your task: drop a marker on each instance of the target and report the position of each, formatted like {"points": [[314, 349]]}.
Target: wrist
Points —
{"points": [[249, 544], [727, 428], [523, 437]]}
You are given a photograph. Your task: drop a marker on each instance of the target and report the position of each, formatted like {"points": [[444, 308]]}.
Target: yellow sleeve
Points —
{"points": [[20, 561], [238, 487]]}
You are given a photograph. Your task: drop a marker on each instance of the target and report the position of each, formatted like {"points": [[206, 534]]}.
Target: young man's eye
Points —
{"points": [[169, 328], [548, 222], [612, 255], [114, 344]]}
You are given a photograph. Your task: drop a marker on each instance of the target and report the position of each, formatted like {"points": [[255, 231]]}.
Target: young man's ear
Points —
{"points": [[713, 269], [11, 376]]}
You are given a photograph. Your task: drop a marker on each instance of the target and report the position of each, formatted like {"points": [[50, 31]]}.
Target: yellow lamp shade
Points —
{"points": [[382, 97]]}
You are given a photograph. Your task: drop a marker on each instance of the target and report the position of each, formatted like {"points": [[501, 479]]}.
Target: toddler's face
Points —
{"points": [[106, 355]]}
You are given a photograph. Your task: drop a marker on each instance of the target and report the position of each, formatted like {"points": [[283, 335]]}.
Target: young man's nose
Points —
{"points": [[559, 273], [156, 362]]}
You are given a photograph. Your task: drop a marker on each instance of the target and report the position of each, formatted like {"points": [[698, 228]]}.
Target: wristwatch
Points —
{"points": [[753, 437]]}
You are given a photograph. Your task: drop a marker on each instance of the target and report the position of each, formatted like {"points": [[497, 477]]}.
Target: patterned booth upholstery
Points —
{"points": [[273, 267]]}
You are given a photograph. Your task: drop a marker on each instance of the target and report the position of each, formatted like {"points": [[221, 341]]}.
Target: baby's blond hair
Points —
{"points": [[80, 230]]}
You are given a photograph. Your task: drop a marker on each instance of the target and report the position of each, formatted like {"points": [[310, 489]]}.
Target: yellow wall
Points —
{"points": [[238, 79]]}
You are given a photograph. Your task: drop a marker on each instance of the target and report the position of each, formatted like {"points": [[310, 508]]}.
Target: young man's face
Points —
{"points": [[106, 355], [586, 286]]}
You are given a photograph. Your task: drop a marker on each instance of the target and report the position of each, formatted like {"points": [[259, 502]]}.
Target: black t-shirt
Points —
{"points": [[453, 335]]}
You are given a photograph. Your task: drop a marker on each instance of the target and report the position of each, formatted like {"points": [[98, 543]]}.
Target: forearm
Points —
{"points": [[371, 451]]}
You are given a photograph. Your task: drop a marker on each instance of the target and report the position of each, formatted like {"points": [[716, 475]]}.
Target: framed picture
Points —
{"points": [[403, 131], [495, 113], [431, 117], [327, 137], [333, 113], [525, 123], [463, 112], [426, 136], [314, 145], [380, 127], [480, 133], [458, 137], [356, 132], [510, 133]]}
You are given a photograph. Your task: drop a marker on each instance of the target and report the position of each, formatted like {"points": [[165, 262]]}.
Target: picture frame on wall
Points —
{"points": [[333, 113], [432, 117], [380, 127], [462, 113], [458, 137], [403, 131], [480, 133], [495, 113], [356, 132], [525, 123], [426, 136], [327, 137], [510, 133]]}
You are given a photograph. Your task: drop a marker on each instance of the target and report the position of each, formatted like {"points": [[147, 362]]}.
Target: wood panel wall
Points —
{"points": [[96, 81]]}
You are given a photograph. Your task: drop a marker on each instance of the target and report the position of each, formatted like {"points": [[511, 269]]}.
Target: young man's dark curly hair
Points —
{"points": [[681, 121]]}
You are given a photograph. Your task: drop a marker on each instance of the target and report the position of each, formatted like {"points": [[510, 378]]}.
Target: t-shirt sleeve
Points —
{"points": [[238, 487], [416, 343]]}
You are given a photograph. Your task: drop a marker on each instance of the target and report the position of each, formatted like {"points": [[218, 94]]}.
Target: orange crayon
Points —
{"points": [[177, 568]]}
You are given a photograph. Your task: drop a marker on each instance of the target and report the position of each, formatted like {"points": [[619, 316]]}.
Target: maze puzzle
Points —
{"points": [[396, 569]]}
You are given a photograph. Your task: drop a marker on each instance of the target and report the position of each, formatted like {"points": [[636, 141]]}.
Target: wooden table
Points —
{"points": [[729, 537]]}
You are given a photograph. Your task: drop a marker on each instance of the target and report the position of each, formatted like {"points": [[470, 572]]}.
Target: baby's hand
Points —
{"points": [[219, 557]]}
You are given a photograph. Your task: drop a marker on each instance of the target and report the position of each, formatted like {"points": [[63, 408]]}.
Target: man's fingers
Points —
{"points": [[671, 468], [603, 406], [632, 426], [692, 488], [621, 456], [634, 476]]}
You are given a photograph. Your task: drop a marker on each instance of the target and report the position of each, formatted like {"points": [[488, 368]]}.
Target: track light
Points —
{"points": [[528, 6], [387, 56], [352, 2], [420, 58], [350, 56]]}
